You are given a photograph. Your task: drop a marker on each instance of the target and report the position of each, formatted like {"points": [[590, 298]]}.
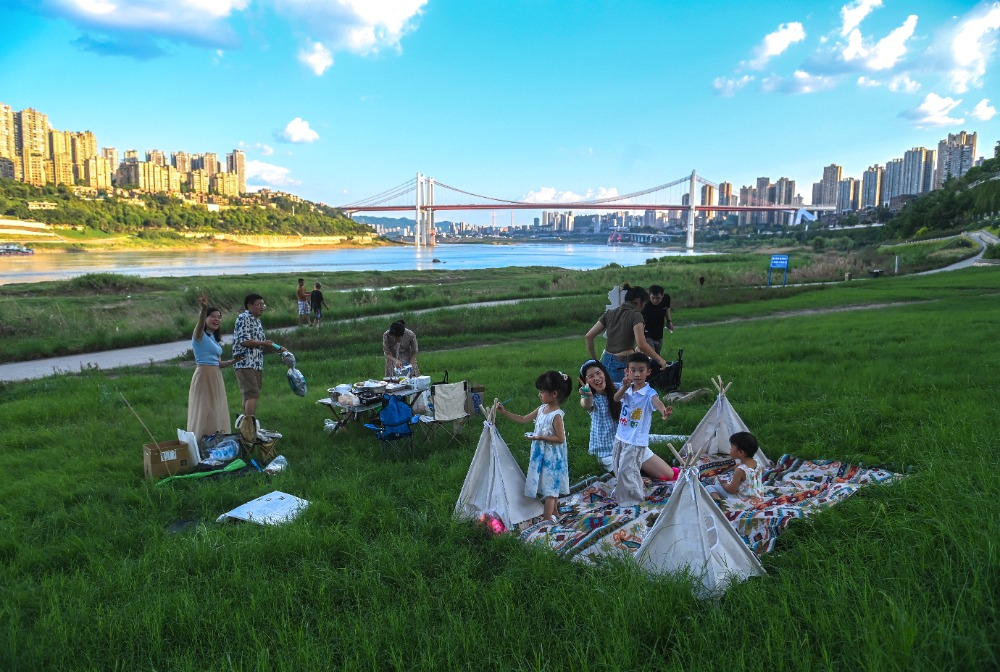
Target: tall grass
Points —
{"points": [[375, 574]]}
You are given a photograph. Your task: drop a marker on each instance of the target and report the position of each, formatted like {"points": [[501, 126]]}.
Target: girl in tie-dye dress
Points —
{"points": [[548, 469]]}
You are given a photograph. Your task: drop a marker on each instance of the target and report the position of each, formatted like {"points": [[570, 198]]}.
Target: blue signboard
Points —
{"points": [[778, 261]]}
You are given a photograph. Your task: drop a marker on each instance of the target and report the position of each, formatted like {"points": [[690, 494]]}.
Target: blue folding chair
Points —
{"points": [[394, 430]]}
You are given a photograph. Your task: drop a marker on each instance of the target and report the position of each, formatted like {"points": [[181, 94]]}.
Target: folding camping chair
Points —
{"points": [[394, 430], [447, 412]]}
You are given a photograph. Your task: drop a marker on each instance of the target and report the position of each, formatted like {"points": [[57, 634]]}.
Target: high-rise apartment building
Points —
{"points": [[236, 162], [181, 161], [848, 195], [131, 156], [918, 171], [8, 151], [871, 187], [892, 181], [97, 172], [955, 155], [831, 181], [708, 198], [198, 180], [156, 157]]}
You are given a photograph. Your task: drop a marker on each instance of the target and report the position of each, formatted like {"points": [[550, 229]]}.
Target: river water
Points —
{"points": [[577, 256]]}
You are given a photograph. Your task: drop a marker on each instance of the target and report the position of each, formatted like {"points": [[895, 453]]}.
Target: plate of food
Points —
{"points": [[370, 385]]}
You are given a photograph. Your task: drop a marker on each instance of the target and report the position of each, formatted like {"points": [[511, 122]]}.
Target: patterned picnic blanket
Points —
{"points": [[592, 525]]}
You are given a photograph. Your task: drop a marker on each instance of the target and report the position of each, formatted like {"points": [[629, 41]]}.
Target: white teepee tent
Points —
{"points": [[692, 534], [495, 482], [711, 436]]}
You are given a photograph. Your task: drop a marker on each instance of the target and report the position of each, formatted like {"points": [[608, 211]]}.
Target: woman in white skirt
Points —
{"points": [[208, 407]]}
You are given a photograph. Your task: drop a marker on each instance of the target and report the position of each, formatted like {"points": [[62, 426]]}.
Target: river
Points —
{"points": [[577, 256]]}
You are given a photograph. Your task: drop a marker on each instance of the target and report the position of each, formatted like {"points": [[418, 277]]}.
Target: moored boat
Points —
{"points": [[15, 248]]}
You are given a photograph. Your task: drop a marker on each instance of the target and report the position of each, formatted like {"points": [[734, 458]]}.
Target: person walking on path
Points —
{"points": [[317, 303], [208, 406], [302, 299], [657, 316], [249, 345]]}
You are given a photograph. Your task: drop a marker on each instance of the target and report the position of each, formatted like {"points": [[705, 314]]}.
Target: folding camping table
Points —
{"points": [[344, 413]]}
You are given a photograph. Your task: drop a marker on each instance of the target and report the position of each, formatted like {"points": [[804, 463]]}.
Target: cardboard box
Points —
{"points": [[167, 458], [474, 399]]}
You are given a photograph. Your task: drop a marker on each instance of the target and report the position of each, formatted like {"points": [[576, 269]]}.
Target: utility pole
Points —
{"points": [[691, 212]]}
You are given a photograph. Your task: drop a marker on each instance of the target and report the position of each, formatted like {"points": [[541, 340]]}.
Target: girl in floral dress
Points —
{"points": [[548, 469]]}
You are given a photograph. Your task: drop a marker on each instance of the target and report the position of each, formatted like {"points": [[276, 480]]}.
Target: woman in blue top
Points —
{"points": [[208, 407]]}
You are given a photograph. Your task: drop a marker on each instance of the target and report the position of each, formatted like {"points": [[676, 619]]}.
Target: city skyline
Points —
{"points": [[327, 99]]}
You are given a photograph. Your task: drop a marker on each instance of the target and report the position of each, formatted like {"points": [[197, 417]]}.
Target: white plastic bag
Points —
{"points": [[191, 440]]}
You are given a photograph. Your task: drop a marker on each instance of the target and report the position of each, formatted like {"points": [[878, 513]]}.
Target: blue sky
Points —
{"points": [[522, 99]]}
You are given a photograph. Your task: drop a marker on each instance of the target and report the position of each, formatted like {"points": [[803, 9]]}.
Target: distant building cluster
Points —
{"points": [[918, 171], [32, 151]]}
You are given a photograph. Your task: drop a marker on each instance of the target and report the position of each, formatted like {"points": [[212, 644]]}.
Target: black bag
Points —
{"points": [[668, 379]]}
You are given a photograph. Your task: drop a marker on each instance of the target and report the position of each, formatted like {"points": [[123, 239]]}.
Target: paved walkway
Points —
{"points": [[161, 352]]}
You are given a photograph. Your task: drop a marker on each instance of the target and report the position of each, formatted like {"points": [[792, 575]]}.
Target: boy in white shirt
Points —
{"points": [[631, 448]]}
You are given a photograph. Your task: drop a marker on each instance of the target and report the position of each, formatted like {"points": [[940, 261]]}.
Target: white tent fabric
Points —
{"points": [[692, 534], [495, 482], [711, 436]]}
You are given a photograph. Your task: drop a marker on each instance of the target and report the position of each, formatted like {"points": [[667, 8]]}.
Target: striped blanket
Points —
{"points": [[591, 525]]}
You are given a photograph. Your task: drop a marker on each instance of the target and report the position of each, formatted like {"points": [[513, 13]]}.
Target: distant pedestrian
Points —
{"points": [[657, 316], [317, 303], [249, 345], [302, 298]]}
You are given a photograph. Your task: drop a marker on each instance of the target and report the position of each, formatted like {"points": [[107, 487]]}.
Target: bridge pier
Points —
{"points": [[691, 212]]}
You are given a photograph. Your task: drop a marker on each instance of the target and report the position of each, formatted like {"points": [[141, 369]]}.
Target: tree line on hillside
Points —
{"points": [[163, 213], [958, 203]]}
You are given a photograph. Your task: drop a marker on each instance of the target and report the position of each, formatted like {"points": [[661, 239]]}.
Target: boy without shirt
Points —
{"points": [[631, 447]]}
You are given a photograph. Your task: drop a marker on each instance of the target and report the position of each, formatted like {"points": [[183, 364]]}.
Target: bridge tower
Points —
{"points": [[424, 232], [691, 212]]}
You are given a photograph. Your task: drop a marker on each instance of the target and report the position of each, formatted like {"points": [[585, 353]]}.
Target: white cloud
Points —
{"points": [[729, 87], [867, 83], [886, 53], [903, 84], [265, 150], [201, 21], [359, 26], [317, 57], [268, 175], [934, 111], [552, 195], [972, 46], [776, 43], [855, 13], [297, 131], [800, 82], [983, 110]]}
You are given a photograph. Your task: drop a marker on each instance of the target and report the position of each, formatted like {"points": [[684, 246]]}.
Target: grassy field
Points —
{"points": [[375, 575], [104, 311]]}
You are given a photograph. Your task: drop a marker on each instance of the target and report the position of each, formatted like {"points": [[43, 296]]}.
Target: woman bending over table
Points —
{"points": [[399, 345]]}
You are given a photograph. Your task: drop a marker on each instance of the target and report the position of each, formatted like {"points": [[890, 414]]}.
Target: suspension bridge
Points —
{"points": [[425, 196]]}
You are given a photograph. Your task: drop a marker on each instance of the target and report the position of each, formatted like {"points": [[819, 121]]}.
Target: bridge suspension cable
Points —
{"points": [[385, 196]]}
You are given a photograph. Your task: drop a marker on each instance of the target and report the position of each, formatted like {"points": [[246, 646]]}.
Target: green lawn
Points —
{"points": [[375, 574]]}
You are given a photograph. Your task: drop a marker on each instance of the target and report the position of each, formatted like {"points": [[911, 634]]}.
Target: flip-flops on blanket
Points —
{"points": [[592, 525]]}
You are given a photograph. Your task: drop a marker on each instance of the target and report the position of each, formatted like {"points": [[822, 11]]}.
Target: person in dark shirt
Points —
{"points": [[657, 316], [317, 303]]}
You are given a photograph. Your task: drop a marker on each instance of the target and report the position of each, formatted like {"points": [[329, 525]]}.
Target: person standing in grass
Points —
{"points": [[249, 345], [625, 333], [399, 345], [302, 299], [656, 314], [745, 482], [597, 397], [631, 446], [548, 469], [208, 407], [317, 303]]}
